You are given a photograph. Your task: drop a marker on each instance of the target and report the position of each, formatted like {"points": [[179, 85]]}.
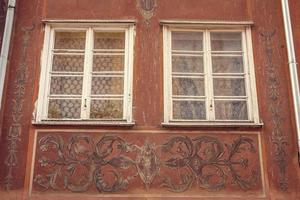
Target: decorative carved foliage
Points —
{"points": [[278, 138], [111, 164]]}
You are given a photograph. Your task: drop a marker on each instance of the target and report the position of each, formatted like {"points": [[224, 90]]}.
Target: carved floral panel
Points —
{"points": [[139, 163]]}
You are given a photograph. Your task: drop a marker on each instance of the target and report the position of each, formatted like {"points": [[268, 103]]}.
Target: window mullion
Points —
{"points": [[169, 74], [49, 60], [167, 97], [125, 78], [251, 76], [208, 67], [247, 74], [85, 104]]}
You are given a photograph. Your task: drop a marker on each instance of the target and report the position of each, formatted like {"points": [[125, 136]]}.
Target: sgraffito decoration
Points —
{"points": [[15, 129], [112, 164], [278, 138], [147, 8]]}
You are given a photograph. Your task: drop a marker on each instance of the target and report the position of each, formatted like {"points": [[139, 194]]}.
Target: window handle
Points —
{"points": [[85, 103], [211, 104]]}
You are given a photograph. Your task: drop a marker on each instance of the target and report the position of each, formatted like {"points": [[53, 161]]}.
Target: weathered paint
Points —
{"points": [[280, 171]]}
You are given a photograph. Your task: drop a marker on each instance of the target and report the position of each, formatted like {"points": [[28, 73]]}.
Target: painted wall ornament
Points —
{"points": [[147, 164], [15, 130], [278, 138], [147, 8], [111, 164]]}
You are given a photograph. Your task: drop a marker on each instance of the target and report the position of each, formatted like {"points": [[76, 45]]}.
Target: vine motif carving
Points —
{"points": [[278, 138], [203, 161], [15, 130], [147, 8]]}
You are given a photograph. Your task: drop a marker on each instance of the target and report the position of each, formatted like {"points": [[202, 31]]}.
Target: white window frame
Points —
{"points": [[250, 83], [46, 63]]}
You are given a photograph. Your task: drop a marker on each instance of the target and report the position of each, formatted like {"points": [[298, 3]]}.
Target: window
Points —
{"points": [[86, 73], [209, 76]]}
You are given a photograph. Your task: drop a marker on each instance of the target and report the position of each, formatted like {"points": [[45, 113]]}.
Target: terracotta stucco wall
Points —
{"points": [[271, 149]]}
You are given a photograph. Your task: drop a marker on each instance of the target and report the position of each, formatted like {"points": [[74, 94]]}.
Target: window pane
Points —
{"points": [[109, 40], [66, 85], [189, 41], [226, 41], [106, 109], [229, 87], [188, 86], [107, 85], [189, 110], [69, 40], [108, 63], [188, 64], [231, 110], [64, 108], [227, 64], [68, 63]]}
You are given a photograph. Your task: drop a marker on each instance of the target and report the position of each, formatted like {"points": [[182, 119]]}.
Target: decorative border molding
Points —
{"points": [[278, 138]]}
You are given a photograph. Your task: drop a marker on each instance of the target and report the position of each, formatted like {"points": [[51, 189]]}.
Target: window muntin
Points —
{"points": [[207, 76], [87, 73]]}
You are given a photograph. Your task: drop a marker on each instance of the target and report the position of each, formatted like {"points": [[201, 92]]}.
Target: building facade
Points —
{"points": [[149, 99]]}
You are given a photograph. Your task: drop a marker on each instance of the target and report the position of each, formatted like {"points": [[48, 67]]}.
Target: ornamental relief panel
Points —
{"points": [[133, 164], [146, 8]]}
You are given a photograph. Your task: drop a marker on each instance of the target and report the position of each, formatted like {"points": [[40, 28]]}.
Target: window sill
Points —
{"points": [[212, 124], [89, 123]]}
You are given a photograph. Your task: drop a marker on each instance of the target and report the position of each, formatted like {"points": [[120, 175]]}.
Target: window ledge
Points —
{"points": [[92, 123], [212, 124]]}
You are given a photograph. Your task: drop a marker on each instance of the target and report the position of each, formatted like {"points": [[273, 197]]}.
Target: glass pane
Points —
{"points": [[64, 108], [66, 85], [189, 110], [188, 86], [108, 63], [107, 85], [106, 109], [229, 87], [231, 110], [226, 41], [69, 40], [109, 40], [68, 63], [227, 64], [188, 64], [188, 41]]}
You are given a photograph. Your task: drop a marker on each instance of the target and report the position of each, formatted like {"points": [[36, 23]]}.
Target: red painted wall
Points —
{"points": [[275, 141]]}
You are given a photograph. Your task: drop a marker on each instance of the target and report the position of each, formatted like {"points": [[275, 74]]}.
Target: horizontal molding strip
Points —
{"points": [[217, 23], [90, 21]]}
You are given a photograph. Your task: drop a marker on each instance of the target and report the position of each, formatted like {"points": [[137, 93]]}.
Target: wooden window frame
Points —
{"points": [[41, 115], [250, 83]]}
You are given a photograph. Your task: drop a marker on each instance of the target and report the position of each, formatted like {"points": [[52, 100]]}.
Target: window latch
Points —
{"points": [[85, 103], [211, 104]]}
